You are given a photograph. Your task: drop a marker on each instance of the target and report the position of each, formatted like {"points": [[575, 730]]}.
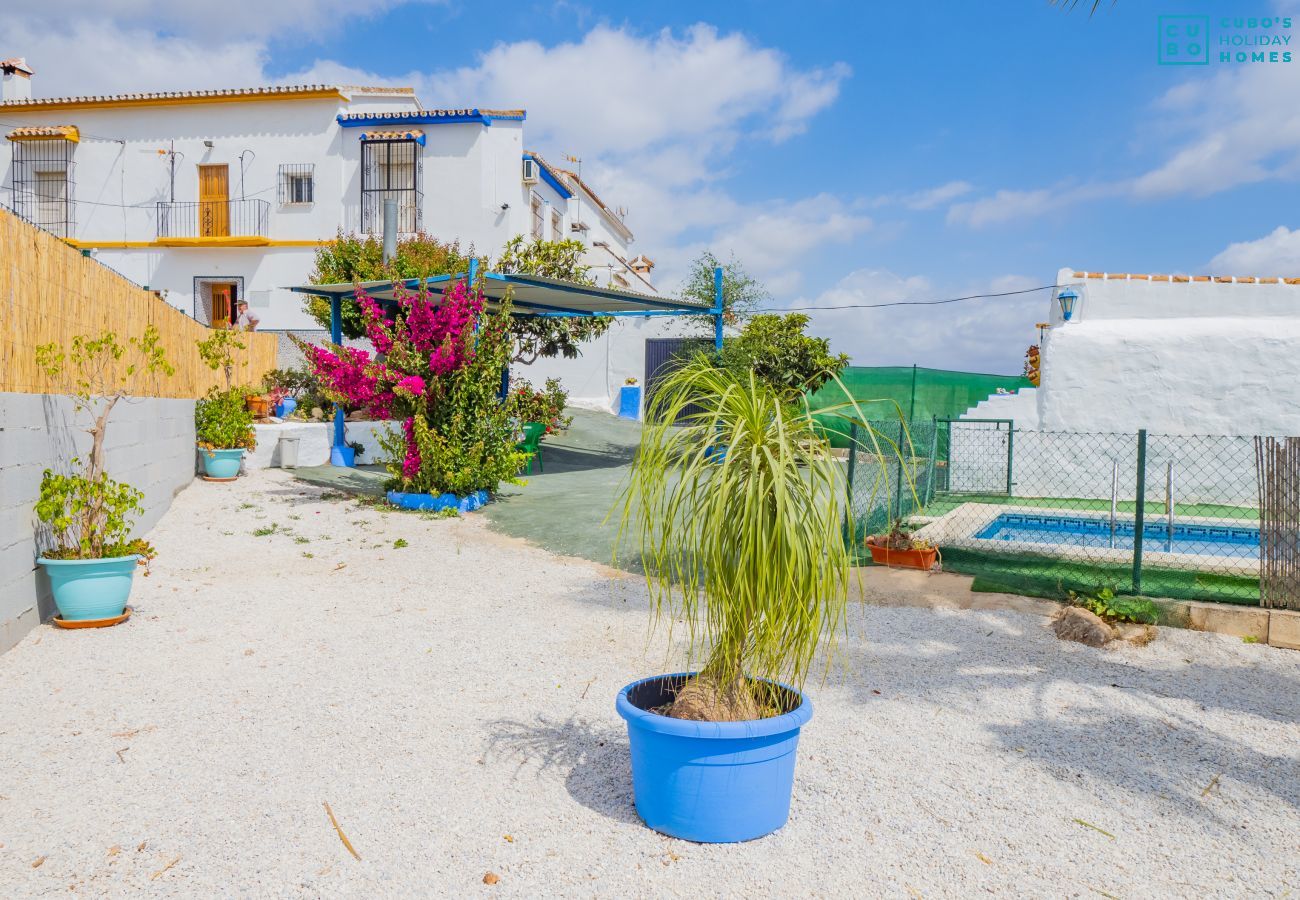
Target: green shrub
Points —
{"points": [[776, 350], [1105, 604], [526, 404], [89, 518], [222, 421]]}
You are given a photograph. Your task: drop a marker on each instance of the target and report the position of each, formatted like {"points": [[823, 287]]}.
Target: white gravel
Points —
{"points": [[453, 702]]}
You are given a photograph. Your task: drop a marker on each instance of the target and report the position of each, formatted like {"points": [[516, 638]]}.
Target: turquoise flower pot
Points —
{"points": [[285, 407], [221, 463], [90, 588]]}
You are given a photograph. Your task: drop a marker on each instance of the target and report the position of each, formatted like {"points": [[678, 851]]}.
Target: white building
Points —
{"points": [[210, 197], [1202, 362]]}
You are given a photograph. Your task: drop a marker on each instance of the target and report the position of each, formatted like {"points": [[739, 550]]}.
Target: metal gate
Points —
{"points": [[974, 456], [663, 356]]}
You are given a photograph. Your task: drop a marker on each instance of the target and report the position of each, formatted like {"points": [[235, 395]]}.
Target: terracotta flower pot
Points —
{"points": [[258, 405], [916, 558]]}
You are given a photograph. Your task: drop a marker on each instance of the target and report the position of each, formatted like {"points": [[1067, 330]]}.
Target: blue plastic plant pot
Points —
{"points": [[343, 456], [221, 463], [90, 588], [710, 782], [629, 401], [285, 407]]}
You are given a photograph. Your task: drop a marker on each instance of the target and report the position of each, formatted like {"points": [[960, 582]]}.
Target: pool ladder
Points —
{"points": [[1169, 502]]}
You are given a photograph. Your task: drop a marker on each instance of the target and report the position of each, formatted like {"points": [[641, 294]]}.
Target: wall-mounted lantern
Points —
{"points": [[1067, 298]]}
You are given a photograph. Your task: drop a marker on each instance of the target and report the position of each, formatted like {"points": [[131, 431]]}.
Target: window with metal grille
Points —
{"points": [[297, 183], [539, 221], [391, 170], [42, 185], [557, 229]]}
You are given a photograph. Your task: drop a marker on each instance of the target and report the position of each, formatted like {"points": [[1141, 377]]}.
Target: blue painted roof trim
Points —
{"points": [[425, 118], [549, 178]]}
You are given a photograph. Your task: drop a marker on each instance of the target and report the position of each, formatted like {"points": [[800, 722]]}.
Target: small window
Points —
{"points": [[539, 221], [297, 184], [557, 226]]}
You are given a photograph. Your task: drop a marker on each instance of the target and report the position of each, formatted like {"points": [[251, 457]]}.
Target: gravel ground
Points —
{"points": [[452, 700]]}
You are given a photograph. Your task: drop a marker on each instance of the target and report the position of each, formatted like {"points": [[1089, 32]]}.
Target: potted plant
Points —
{"points": [[89, 553], [285, 387], [897, 547], [223, 429], [747, 549]]}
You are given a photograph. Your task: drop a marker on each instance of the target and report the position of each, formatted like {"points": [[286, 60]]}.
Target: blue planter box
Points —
{"points": [[629, 401], [433, 503]]}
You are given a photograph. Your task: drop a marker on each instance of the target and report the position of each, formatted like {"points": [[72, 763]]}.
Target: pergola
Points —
{"points": [[531, 296]]}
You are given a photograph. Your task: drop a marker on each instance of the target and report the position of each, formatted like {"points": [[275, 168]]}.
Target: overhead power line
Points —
{"points": [[1044, 287]]}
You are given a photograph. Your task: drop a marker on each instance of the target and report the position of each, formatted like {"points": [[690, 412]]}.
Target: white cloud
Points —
{"points": [[987, 335], [1275, 254], [937, 196], [1238, 127], [699, 86]]}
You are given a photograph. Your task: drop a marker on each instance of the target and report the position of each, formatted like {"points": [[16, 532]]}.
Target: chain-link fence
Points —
{"points": [[1044, 513]]}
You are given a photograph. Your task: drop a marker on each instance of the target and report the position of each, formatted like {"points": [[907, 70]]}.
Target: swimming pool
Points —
{"points": [[1232, 541]]}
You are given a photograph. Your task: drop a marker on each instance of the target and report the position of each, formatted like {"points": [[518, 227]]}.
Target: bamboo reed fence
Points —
{"points": [[1278, 463], [50, 293]]}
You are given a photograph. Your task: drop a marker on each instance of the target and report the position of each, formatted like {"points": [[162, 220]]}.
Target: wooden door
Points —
{"points": [[222, 294], [214, 201]]}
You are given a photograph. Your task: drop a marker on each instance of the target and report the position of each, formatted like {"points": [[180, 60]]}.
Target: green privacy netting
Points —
{"points": [[921, 394]]}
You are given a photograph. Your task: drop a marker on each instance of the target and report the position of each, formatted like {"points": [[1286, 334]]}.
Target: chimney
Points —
{"points": [[642, 264], [15, 79]]}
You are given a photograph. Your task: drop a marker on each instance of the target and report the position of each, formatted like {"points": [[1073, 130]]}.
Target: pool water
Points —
{"points": [[1238, 542]]}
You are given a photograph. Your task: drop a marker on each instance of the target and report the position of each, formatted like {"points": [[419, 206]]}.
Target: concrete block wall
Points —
{"points": [[150, 445]]}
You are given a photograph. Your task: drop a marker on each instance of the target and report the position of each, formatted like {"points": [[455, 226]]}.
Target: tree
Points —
{"points": [[355, 258], [550, 337], [778, 352], [742, 294]]}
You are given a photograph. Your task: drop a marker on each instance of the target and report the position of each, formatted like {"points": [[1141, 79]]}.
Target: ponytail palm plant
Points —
{"points": [[737, 505]]}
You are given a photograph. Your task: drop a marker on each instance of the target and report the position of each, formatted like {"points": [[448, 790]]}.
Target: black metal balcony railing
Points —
{"points": [[214, 219]]}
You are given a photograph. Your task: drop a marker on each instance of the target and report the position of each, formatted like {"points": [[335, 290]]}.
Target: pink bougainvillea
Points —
{"points": [[440, 360], [411, 462]]}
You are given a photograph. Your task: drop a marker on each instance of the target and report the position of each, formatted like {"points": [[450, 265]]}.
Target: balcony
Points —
{"points": [[214, 223]]}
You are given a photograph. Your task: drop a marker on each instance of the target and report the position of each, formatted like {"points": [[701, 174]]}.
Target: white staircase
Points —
{"points": [[1021, 407]]}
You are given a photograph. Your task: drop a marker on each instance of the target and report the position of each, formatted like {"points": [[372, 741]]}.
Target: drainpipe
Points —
{"points": [[390, 230]]}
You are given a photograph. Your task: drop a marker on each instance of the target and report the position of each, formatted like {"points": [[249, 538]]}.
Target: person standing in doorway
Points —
{"points": [[246, 321]]}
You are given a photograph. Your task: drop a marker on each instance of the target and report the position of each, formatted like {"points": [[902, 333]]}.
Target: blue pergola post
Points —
{"points": [[717, 308], [336, 335]]}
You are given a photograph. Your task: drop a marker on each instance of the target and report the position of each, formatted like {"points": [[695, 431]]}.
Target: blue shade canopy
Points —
{"points": [[531, 295]]}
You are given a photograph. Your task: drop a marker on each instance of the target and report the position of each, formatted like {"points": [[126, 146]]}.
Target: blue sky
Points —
{"points": [[845, 152]]}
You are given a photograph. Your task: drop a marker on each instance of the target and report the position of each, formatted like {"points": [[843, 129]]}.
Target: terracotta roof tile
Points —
{"points": [[1183, 279]]}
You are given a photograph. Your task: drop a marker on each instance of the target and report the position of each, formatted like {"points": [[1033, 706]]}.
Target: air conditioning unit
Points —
{"points": [[530, 170]]}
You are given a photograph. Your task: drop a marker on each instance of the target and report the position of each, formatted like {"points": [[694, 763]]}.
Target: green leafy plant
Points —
{"points": [[737, 512], [88, 514], [776, 349], [266, 530], [526, 404], [540, 337], [90, 518], [1107, 605], [222, 421], [352, 258], [899, 537], [217, 351], [400, 543]]}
